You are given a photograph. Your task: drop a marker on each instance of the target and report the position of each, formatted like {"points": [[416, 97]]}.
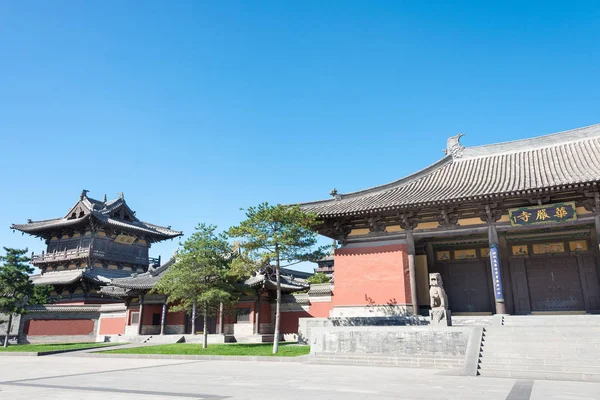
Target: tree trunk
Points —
{"points": [[8, 330], [221, 321], [194, 318], [278, 306], [205, 330]]}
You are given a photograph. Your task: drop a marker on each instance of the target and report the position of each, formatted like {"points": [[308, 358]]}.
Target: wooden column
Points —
{"points": [[496, 269], [257, 313], [141, 318], [163, 318], [411, 271], [430, 257], [507, 278], [194, 319], [597, 225], [221, 318]]}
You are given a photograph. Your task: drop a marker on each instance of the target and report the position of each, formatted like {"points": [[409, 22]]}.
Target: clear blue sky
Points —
{"points": [[195, 109]]}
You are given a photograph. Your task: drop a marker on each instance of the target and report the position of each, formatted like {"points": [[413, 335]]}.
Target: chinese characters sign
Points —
{"points": [[498, 291], [551, 213]]}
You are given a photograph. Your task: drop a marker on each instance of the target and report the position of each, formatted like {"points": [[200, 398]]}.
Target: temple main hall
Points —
{"points": [[512, 228]]}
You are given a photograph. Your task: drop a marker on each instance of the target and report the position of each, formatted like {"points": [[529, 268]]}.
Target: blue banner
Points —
{"points": [[496, 276]]}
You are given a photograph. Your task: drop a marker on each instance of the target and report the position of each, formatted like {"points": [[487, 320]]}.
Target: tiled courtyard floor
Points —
{"points": [[61, 377]]}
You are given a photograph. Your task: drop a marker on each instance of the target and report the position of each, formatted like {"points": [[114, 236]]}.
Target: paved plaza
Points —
{"points": [[61, 377]]}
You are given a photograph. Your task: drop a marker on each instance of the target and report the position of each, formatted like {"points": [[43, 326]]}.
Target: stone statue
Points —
{"points": [[439, 314], [437, 294]]}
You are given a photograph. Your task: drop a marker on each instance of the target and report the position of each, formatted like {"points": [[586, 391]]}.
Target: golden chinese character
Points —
{"points": [[561, 212], [542, 215], [524, 216]]}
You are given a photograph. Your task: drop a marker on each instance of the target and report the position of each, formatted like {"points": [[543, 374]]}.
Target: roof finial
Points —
{"points": [[84, 193], [453, 146], [334, 194], [104, 199], [121, 196]]}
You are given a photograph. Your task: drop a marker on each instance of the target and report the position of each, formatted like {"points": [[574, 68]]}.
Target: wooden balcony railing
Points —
{"points": [[71, 254], [84, 252]]}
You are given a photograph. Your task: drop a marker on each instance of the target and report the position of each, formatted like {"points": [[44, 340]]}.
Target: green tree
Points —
{"points": [[200, 276], [276, 234], [319, 277], [15, 287], [41, 295]]}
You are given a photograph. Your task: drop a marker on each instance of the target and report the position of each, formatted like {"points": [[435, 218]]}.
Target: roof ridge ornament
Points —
{"points": [[84, 193], [334, 193], [121, 196], [453, 146]]}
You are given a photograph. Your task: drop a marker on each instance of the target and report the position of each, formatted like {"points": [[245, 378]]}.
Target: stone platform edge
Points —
{"points": [[300, 359], [45, 353]]}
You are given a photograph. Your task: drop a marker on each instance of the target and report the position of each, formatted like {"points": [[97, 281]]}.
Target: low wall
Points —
{"points": [[114, 325], [14, 327], [70, 323], [386, 340], [305, 325]]}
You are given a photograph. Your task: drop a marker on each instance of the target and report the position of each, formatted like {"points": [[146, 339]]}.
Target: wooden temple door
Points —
{"points": [[211, 322], [467, 285], [555, 284]]}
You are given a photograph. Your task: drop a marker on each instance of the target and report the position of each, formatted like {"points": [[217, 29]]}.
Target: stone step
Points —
{"points": [[543, 338], [575, 362], [404, 362], [534, 366], [532, 374], [254, 338], [387, 356], [547, 346], [583, 356], [546, 343], [533, 330], [553, 322], [594, 337]]}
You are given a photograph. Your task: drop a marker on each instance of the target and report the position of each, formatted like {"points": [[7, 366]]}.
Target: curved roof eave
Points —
{"points": [[415, 175]]}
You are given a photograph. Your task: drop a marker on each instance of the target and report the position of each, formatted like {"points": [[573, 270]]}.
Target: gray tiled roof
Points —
{"points": [[101, 276], [57, 277], [290, 280], [77, 308], [114, 291], [565, 159], [143, 281], [101, 212]]}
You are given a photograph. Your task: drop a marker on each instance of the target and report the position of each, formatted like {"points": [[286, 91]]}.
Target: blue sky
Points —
{"points": [[194, 109]]}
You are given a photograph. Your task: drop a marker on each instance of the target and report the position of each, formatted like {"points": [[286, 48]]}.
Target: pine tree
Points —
{"points": [[15, 287], [276, 234], [200, 276]]}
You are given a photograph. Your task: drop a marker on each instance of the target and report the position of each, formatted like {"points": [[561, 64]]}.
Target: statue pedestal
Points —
{"points": [[440, 317]]}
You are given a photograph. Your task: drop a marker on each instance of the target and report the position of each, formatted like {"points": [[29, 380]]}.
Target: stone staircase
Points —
{"points": [[266, 338], [558, 347]]}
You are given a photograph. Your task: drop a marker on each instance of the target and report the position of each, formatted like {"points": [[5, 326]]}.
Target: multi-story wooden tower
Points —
{"points": [[97, 240]]}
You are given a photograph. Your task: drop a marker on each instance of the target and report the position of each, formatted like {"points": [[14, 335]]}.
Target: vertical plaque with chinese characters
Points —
{"points": [[548, 214], [495, 262]]}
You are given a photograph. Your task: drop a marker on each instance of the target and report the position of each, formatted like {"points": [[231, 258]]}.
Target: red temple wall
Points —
{"points": [[265, 312], [175, 318], [320, 310], [112, 326], [149, 310], [371, 275], [58, 327], [289, 321]]}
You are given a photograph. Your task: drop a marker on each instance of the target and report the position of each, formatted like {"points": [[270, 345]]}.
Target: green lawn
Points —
{"points": [[53, 347], [262, 349]]}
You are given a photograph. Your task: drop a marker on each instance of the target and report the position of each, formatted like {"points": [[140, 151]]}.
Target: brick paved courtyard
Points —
{"points": [[58, 377]]}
